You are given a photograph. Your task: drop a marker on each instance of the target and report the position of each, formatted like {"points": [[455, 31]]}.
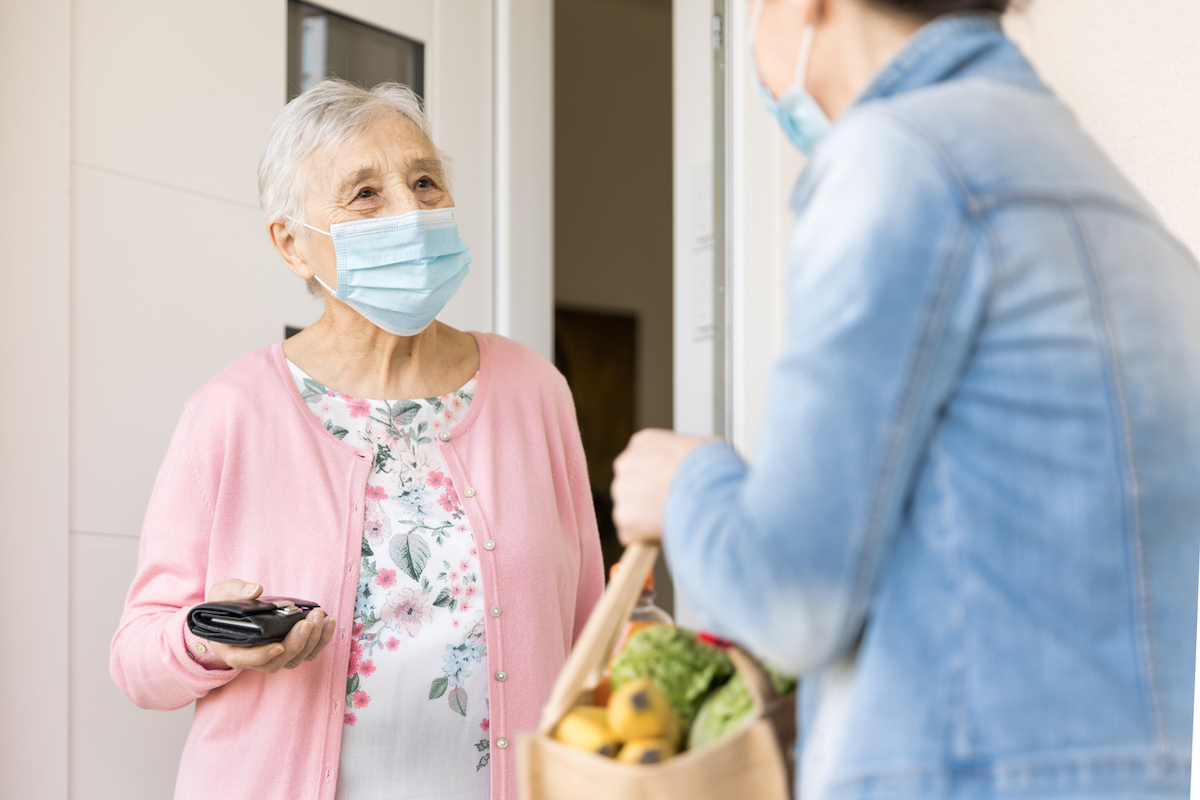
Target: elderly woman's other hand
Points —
{"points": [[304, 642], [642, 477]]}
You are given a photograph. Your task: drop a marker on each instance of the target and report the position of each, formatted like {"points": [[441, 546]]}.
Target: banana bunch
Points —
{"points": [[638, 726]]}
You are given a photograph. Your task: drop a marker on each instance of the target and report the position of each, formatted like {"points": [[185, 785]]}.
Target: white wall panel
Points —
{"points": [[112, 740], [34, 203], [178, 93], [459, 93], [692, 118], [168, 287], [524, 148]]}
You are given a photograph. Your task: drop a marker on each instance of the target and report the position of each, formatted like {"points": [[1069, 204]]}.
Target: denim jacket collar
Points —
{"points": [[954, 45]]}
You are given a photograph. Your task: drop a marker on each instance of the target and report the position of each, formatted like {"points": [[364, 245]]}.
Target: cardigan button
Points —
{"points": [[502, 743], [501, 676], [444, 436], [495, 611], [469, 492], [200, 648], [489, 545]]}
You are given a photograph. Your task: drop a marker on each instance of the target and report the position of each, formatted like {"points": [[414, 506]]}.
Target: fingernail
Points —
{"points": [[251, 588], [277, 650]]}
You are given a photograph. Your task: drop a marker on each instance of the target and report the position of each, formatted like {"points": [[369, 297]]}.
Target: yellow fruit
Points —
{"points": [[586, 728], [645, 751], [638, 710]]}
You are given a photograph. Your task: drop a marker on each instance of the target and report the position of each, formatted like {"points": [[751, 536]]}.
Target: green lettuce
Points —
{"points": [[729, 709], [684, 668]]}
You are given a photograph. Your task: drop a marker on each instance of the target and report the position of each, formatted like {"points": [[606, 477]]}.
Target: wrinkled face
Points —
{"points": [[777, 41], [388, 170]]}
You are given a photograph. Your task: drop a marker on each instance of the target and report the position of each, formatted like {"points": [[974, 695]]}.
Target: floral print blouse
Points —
{"points": [[416, 723]]}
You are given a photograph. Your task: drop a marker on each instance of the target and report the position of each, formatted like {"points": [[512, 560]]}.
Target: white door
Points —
{"points": [[733, 173]]}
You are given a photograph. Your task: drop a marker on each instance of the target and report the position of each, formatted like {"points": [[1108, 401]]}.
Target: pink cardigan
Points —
{"points": [[254, 488]]}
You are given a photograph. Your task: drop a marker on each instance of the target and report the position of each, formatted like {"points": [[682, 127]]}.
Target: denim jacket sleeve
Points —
{"points": [[887, 276]]}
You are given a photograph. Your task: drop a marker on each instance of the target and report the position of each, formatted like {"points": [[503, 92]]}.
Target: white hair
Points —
{"points": [[329, 113]]}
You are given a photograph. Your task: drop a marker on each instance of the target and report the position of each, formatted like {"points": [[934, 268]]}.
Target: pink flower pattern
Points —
{"points": [[406, 612], [449, 499], [402, 597]]}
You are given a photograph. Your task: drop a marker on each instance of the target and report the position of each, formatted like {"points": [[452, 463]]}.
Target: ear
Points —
{"points": [[284, 241]]}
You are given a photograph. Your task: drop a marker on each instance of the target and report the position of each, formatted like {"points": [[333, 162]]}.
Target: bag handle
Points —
{"points": [[758, 682], [599, 636]]}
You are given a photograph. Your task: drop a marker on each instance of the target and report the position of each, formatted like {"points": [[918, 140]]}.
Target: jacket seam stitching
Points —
{"points": [[960, 716], [1131, 496], [955, 176], [898, 442]]}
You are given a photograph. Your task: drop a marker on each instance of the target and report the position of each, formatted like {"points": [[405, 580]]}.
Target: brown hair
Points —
{"points": [[931, 9]]}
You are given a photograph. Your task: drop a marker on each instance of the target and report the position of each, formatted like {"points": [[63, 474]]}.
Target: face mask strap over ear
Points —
{"points": [[802, 60], [310, 227]]}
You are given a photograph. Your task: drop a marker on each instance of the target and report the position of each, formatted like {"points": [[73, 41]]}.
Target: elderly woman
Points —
{"points": [[425, 486]]}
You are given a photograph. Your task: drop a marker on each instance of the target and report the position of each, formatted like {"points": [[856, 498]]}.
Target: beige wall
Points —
{"points": [[34, 446], [612, 183], [1131, 72]]}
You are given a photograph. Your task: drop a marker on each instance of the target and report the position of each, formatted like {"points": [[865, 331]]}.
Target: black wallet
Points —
{"points": [[246, 623]]}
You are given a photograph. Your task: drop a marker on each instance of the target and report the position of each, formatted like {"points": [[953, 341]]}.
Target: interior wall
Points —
{"points": [[35, 54], [612, 183], [1131, 73]]}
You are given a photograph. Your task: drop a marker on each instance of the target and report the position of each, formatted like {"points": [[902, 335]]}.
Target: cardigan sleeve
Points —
{"points": [[154, 659], [591, 561]]}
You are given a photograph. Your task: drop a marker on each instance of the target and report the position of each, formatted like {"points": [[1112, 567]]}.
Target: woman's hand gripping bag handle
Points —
{"points": [[750, 763]]}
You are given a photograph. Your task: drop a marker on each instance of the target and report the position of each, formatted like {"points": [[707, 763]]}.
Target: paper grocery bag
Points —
{"points": [[753, 764]]}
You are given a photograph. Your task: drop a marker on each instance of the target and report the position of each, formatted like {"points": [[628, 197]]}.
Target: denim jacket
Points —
{"points": [[980, 459]]}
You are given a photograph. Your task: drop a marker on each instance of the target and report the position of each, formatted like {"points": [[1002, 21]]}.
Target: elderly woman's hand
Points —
{"points": [[304, 641], [642, 477]]}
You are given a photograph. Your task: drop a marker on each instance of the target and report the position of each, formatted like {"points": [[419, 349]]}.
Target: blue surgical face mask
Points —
{"points": [[801, 117], [399, 272]]}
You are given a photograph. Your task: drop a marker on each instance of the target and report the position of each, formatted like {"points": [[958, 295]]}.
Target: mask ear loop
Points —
{"points": [[316, 277], [806, 46], [310, 227]]}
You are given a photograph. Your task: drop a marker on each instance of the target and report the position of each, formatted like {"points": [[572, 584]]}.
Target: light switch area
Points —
{"points": [[110, 737]]}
